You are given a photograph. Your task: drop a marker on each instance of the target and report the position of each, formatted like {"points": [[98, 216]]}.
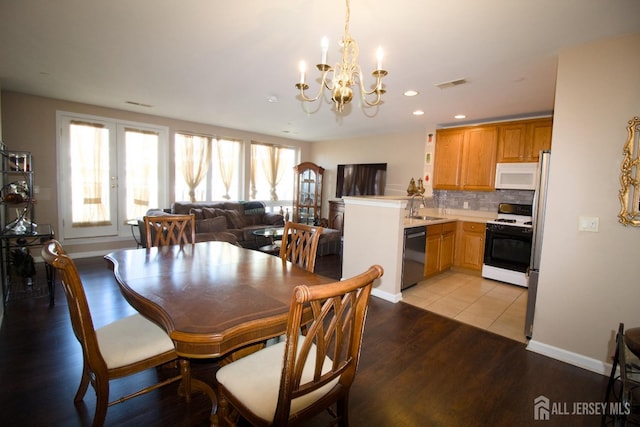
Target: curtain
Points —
{"points": [[273, 166], [89, 144], [227, 156], [254, 167], [141, 151], [196, 156]]}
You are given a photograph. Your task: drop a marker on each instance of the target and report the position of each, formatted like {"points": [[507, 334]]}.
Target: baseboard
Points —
{"points": [[569, 357], [394, 298]]}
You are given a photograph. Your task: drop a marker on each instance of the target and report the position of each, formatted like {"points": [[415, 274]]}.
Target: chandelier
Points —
{"points": [[345, 74]]}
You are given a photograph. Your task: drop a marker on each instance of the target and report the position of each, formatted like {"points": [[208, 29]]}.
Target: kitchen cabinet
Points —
{"points": [[307, 193], [336, 215], [522, 141], [465, 158], [439, 248], [470, 245], [448, 159]]}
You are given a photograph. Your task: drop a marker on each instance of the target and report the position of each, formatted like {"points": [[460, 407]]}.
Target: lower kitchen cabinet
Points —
{"points": [[470, 245], [439, 248]]}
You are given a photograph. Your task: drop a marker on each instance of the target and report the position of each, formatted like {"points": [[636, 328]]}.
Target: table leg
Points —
{"points": [[189, 385]]}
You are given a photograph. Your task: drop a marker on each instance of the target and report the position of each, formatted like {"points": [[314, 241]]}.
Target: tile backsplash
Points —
{"points": [[478, 200]]}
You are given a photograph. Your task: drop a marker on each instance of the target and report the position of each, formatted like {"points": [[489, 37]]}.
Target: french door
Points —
{"points": [[109, 172]]}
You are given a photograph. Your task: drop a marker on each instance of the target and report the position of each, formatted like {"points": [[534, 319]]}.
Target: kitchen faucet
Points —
{"points": [[411, 206]]}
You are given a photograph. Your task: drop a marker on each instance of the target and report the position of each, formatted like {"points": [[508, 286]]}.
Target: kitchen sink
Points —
{"points": [[427, 218]]}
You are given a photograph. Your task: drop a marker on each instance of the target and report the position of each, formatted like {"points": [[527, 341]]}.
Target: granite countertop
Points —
{"points": [[449, 215]]}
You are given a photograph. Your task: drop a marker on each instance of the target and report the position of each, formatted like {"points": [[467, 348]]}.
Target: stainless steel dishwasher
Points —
{"points": [[415, 240]]}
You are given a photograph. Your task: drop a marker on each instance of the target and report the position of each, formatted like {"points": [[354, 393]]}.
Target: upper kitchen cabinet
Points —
{"points": [[522, 141], [448, 159], [465, 158]]}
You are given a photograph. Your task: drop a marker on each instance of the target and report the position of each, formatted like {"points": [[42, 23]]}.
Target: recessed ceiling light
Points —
{"points": [[272, 98], [459, 116], [411, 93], [418, 113]]}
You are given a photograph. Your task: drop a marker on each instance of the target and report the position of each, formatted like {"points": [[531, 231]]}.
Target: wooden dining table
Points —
{"points": [[212, 298]]}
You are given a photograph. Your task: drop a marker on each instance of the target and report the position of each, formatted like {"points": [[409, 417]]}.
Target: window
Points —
{"points": [[142, 158], [110, 173], [272, 177], [207, 168]]}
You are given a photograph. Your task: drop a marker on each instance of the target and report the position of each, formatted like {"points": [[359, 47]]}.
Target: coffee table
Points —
{"points": [[274, 234]]}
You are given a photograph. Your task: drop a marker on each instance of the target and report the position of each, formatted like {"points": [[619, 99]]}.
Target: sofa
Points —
{"points": [[221, 220]]}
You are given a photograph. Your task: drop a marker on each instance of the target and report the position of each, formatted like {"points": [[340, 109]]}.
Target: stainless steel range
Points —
{"points": [[507, 249]]}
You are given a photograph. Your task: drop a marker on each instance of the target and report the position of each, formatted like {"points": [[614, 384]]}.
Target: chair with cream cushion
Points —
{"points": [[300, 244], [163, 230], [124, 347], [292, 381]]}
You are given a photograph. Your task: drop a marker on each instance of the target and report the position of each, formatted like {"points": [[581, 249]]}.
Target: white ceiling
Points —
{"points": [[218, 61]]}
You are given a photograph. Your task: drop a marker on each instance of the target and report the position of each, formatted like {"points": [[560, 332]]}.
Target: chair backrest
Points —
{"points": [[300, 244], [54, 255], [164, 230], [339, 310]]}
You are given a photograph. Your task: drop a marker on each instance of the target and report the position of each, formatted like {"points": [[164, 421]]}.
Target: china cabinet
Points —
{"points": [[307, 194]]}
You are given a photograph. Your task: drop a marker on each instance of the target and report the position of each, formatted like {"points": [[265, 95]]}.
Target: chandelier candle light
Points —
{"points": [[344, 74]]}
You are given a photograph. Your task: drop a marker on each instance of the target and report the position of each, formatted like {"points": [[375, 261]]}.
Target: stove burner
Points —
{"points": [[505, 220], [528, 223]]}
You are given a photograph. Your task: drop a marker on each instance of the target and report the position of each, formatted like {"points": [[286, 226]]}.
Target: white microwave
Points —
{"points": [[516, 176]]}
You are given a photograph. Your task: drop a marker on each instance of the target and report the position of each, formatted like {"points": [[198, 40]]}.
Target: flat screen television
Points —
{"points": [[362, 179]]}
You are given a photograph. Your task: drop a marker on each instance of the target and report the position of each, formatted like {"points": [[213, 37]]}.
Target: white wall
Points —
{"points": [[589, 282], [403, 153]]}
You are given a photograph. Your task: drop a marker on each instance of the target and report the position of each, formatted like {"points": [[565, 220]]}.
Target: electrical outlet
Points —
{"points": [[465, 205], [588, 223]]}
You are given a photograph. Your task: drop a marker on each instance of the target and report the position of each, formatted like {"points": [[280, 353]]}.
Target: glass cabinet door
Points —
{"points": [[307, 207]]}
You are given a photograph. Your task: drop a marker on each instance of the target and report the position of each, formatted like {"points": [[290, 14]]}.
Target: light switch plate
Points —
{"points": [[588, 223]]}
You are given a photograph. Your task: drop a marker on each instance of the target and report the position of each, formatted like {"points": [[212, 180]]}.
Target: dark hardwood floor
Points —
{"points": [[417, 369]]}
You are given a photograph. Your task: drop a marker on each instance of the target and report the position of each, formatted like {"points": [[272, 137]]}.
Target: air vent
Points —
{"points": [[452, 83], [139, 104]]}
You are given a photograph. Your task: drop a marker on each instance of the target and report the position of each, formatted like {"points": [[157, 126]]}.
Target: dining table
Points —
{"points": [[212, 298]]}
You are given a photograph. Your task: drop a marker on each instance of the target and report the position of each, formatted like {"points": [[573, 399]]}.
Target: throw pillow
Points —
{"points": [[209, 213], [234, 219], [197, 213], [211, 225]]}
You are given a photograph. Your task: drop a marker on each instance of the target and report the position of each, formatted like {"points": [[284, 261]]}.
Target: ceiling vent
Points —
{"points": [[139, 104], [452, 83]]}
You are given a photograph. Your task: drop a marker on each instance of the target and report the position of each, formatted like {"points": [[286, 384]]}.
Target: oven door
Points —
{"points": [[508, 247]]}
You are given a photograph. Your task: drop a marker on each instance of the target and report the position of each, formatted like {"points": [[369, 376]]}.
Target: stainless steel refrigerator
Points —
{"points": [[539, 207]]}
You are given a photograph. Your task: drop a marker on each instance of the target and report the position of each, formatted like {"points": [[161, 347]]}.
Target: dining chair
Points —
{"points": [[300, 244], [624, 380], [292, 381], [163, 230], [119, 349]]}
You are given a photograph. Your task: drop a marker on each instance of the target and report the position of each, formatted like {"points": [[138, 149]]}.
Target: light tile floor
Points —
{"points": [[487, 304]]}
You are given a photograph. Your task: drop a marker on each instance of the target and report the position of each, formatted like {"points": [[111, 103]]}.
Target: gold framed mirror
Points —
{"points": [[630, 177]]}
